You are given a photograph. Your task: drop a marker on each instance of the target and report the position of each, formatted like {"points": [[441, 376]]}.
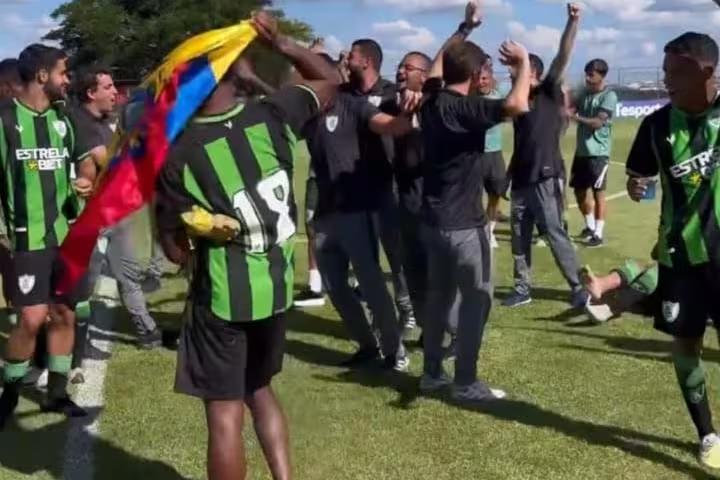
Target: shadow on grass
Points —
{"points": [[300, 321], [42, 450], [537, 293], [513, 411]]}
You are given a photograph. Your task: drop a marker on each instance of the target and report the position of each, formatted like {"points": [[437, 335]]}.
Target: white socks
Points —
{"points": [[315, 281], [599, 228], [590, 221]]}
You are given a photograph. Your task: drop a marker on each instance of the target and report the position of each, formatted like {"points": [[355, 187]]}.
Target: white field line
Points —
{"points": [[79, 463]]}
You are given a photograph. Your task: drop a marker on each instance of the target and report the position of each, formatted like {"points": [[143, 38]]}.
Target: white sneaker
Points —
{"points": [[541, 243], [477, 392], [710, 451], [433, 384], [42, 380], [493, 242]]}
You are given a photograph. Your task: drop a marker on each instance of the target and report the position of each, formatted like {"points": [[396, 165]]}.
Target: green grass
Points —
{"points": [[587, 401]]}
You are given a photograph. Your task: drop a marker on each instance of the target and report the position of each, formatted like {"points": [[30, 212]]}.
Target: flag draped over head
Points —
{"points": [[169, 98]]}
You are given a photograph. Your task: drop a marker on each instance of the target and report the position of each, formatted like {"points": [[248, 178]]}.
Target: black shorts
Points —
{"points": [[686, 300], [219, 360], [494, 173], [589, 173], [33, 278]]}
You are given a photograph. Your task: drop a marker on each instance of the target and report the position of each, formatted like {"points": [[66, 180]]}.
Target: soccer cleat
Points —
{"points": [[399, 363], [476, 392], [594, 242], [361, 357], [8, 403], [710, 451], [408, 320], [586, 234], [309, 299], [430, 384], [150, 340], [517, 300], [64, 406], [77, 376]]}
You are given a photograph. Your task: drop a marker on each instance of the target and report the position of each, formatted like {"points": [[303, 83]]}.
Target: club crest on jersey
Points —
{"points": [[375, 100], [60, 127], [331, 122], [26, 283], [670, 311]]}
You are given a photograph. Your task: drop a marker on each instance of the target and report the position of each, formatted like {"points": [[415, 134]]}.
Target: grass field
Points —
{"points": [[586, 402]]}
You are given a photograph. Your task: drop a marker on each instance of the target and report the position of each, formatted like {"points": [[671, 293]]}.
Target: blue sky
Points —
{"points": [[628, 33]]}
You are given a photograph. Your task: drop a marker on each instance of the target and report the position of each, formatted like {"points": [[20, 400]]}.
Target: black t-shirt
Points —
{"points": [[537, 156], [453, 129], [91, 131], [409, 169], [351, 163]]}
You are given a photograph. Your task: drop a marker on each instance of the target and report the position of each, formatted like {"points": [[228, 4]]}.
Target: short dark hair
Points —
{"points": [[597, 65], [699, 46], [537, 64], [425, 58], [461, 61], [37, 57], [371, 49], [87, 79], [9, 76]]}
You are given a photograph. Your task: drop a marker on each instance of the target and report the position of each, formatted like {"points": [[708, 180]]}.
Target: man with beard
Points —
{"points": [[351, 161], [37, 152]]}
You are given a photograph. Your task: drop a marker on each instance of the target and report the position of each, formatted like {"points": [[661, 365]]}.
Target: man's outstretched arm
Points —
{"points": [[567, 43], [473, 19]]}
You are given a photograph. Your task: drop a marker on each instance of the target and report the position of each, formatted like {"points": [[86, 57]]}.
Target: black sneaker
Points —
{"points": [[361, 357], [64, 406], [594, 242], [150, 340], [517, 300], [8, 403], [586, 234], [309, 298], [579, 298]]}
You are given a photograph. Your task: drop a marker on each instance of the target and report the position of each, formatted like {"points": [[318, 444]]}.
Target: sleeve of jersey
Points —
{"points": [[479, 114], [172, 198], [641, 160], [609, 104], [296, 105]]}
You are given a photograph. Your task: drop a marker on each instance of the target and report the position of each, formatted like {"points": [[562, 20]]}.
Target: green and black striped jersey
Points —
{"points": [[37, 154], [240, 164], [684, 150]]}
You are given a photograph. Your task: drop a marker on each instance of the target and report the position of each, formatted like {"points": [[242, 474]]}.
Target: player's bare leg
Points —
{"points": [[587, 208], [600, 212], [596, 286], [272, 431], [226, 446], [493, 208]]}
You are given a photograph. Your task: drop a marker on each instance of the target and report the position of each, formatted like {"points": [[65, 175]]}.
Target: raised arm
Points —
{"points": [[472, 20], [310, 65], [567, 43], [516, 57]]}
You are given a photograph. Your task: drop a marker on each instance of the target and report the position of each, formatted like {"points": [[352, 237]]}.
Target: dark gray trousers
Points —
{"points": [[541, 204], [459, 262]]}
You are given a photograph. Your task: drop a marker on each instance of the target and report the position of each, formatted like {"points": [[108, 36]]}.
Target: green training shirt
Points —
{"points": [[683, 149], [37, 155], [240, 164], [595, 143]]}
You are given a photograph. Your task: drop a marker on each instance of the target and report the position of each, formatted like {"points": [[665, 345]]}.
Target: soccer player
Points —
{"points": [[454, 126], [595, 109], [679, 143], [537, 174], [494, 174], [37, 149], [354, 179], [236, 159]]}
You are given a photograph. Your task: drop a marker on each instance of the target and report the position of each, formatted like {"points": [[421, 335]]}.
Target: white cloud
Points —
{"points": [[333, 45], [502, 6], [600, 34], [648, 48], [540, 38], [403, 33]]}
